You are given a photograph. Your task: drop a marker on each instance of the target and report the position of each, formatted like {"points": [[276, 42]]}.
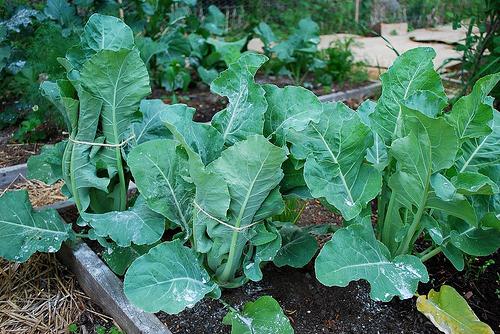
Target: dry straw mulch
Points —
{"points": [[41, 296], [40, 194]]}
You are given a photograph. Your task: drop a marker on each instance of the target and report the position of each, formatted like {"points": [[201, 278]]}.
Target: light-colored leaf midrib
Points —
{"points": [[236, 109], [342, 177], [174, 196]]}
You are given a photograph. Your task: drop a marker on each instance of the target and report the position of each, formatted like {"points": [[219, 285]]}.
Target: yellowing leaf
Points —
{"points": [[450, 313]]}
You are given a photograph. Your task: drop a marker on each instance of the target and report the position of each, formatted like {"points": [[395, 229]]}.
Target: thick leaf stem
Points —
{"points": [[431, 254], [121, 177], [414, 227]]}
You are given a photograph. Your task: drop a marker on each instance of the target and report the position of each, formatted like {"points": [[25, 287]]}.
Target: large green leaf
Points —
{"points": [[472, 114], [215, 21], [160, 170], [229, 51], [151, 127], [263, 316], [120, 79], [483, 151], [298, 248], [377, 154], [289, 108], [104, 32], [139, 224], [61, 11], [244, 114], [450, 313], [120, 258], [24, 231], [199, 138], [61, 94], [334, 150], [168, 278], [47, 166], [479, 240], [354, 253], [411, 72], [472, 183], [252, 170], [82, 171]]}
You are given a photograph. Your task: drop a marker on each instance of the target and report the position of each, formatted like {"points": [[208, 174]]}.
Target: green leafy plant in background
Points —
{"points": [[295, 56], [340, 66], [480, 50]]}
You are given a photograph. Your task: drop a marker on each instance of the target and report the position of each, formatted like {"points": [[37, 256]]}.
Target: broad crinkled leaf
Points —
{"points": [[61, 11], [47, 166], [252, 169], [475, 240], [450, 313], [244, 114], [24, 231], [168, 278], [410, 73], [160, 170], [354, 253], [103, 32], [139, 224], [200, 138], [120, 79], [215, 21], [443, 152], [151, 126], [472, 183], [229, 51], [334, 150], [471, 114], [377, 154], [483, 151], [298, 248], [120, 258], [263, 316], [289, 108]]}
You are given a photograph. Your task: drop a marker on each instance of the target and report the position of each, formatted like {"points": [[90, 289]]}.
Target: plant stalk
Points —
{"points": [[431, 254]]}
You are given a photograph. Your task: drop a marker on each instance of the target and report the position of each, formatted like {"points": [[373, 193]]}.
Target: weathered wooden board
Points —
{"points": [[356, 93], [9, 174], [102, 285]]}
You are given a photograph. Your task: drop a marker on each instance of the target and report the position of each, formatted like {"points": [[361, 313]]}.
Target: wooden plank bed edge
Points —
{"points": [[106, 289]]}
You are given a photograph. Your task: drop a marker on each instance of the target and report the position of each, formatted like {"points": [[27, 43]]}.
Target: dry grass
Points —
{"points": [[41, 296], [40, 194]]}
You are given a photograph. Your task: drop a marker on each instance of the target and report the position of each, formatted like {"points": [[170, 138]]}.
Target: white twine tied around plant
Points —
{"points": [[99, 144], [237, 229]]}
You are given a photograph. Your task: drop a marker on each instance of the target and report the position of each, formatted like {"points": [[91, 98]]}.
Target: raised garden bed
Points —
{"points": [[311, 308]]}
